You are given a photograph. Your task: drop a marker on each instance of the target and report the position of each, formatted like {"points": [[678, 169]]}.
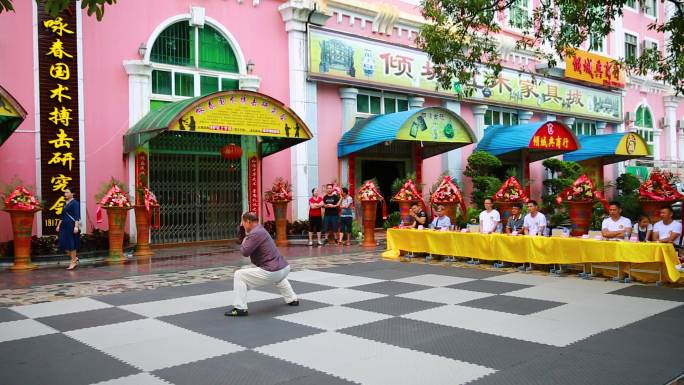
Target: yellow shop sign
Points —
{"points": [[593, 68]]}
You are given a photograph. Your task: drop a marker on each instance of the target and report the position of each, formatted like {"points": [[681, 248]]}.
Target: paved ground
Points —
{"points": [[361, 321]]}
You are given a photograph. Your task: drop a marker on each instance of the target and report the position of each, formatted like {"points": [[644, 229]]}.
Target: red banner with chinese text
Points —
{"points": [[59, 114], [553, 136], [253, 185]]}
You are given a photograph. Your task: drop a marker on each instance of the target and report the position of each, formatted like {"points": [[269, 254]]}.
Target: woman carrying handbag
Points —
{"points": [[68, 229]]}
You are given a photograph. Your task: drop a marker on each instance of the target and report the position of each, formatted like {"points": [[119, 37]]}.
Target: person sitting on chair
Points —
{"points": [[441, 220]]}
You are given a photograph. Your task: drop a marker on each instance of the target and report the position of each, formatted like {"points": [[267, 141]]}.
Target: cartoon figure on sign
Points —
{"points": [[368, 63], [549, 128], [297, 131], [192, 123], [631, 144], [181, 124], [287, 130]]}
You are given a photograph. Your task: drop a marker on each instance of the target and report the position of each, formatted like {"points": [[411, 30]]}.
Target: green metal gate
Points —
{"points": [[200, 198]]}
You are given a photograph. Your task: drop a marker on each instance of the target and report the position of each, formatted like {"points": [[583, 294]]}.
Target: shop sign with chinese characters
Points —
{"points": [[553, 136], [253, 185], [59, 114], [338, 57], [592, 68]]}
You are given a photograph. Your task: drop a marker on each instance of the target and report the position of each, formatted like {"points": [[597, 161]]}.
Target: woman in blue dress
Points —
{"points": [[68, 228]]}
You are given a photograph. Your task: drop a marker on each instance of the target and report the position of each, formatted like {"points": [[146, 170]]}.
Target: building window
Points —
{"points": [[651, 45], [631, 4], [189, 61], [630, 46], [649, 7], [377, 104], [595, 42], [500, 118], [644, 125], [584, 127], [519, 14]]}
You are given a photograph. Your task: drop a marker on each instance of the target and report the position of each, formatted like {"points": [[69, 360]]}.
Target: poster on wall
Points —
{"points": [[434, 125], [335, 56], [59, 113]]}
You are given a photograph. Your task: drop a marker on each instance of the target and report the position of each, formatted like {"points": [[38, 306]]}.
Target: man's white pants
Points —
{"points": [[246, 279]]}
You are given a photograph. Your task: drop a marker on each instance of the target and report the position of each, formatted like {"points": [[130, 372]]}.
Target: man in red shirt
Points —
{"points": [[315, 221]]}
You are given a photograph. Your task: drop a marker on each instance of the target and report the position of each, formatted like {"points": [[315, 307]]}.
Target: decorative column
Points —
{"points": [[656, 143], [249, 83], [296, 14], [478, 117], [415, 102], [524, 117], [680, 141], [600, 128], [568, 121], [670, 103], [348, 96], [139, 92], [453, 160]]}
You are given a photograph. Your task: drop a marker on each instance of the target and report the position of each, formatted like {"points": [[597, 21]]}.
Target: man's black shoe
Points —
{"points": [[235, 312], [293, 303]]}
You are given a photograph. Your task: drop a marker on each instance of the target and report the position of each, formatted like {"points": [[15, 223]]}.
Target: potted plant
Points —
{"points": [[146, 215], [656, 193], [580, 198], [21, 204], [446, 193], [279, 196], [114, 200], [510, 193], [369, 195]]}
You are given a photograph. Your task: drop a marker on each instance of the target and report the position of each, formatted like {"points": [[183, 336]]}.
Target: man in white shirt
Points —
{"points": [[534, 222], [616, 226], [667, 230], [489, 218], [441, 220]]}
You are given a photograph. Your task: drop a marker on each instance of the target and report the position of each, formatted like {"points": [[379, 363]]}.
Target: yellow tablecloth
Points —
{"points": [[519, 249]]}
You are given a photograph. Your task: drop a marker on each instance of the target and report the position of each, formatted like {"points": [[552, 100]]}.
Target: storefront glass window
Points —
{"points": [[208, 84], [500, 118], [379, 104], [402, 105], [161, 82], [584, 127], [215, 52], [363, 104], [644, 125], [185, 84], [375, 105], [229, 84], [390, 105]]}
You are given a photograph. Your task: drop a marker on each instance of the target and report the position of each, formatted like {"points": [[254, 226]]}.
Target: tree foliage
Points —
{"points": [[481, 167], [461, 37], [54, 7]]}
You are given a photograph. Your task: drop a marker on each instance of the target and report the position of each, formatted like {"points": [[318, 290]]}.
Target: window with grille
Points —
{"points": [[377, 104], [630, 46], [644, 125], [595, 42], [584, 127], [649, 7], [519, 14], [495, 117], [190, 61]]}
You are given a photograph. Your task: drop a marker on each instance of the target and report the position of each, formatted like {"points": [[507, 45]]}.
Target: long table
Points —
{"points": [[530, 249]]}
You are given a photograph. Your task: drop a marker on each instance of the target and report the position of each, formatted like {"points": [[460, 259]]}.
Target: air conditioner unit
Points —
{"points": [[630, 116]]}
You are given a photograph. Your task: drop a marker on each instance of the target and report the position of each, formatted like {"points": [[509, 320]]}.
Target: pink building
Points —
{"points": [[333, 63]]}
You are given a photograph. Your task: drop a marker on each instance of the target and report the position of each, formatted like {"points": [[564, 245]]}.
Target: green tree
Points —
{"points": [[461, 37], [54, 7], [480, 168]]}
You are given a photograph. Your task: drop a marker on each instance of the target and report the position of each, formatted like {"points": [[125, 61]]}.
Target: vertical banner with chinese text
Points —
{"points": [[59, 114]]}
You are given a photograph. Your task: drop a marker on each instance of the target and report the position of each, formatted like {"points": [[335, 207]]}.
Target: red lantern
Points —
{"points": [[232, 153]]}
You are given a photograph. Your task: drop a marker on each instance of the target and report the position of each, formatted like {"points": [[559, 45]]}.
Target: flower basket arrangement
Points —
{"points": [[21, 199], [146, 215], [407, 193], [449, 195], [511, 191], [279, 196], [656, 193], [21, 204], [580, 198], [281, 191], [116, 202], [657, 188], [369, 192], [369, 195]]}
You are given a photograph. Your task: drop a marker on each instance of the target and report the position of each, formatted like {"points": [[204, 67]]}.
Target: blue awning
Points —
{"points": [[609, 148], [437, 130], [540, 140]]}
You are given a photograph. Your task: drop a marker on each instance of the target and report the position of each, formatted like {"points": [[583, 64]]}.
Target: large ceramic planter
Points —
{"points": [[369, 212], [580, 215], [22, 229], [280, 212], [652, 208], [449, 210], [404, 208], [142, 226], [116, 217]]}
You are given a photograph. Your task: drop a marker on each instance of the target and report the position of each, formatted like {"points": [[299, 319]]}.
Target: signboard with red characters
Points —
{"points": [[553, 136], [596, 69], [252, 187]]}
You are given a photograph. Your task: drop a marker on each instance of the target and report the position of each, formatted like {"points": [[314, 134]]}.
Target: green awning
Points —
{"points": [[11, 115], [228, 112]]}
